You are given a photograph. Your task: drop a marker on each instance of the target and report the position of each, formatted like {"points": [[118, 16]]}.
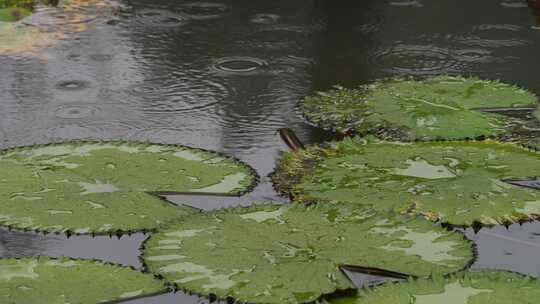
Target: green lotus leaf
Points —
{"points": [[469, 288], [16, 3], [405, 109], [44, 280], [12, 14], [537, 114], [455, 182], [15, 10], [292, 253], [87, 187]]}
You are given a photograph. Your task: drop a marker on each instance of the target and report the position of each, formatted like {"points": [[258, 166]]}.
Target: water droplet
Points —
{"points": [[410, 3], [100, 57], [97, 187], [265, 19], [19, 269], [74, 111], [162, 18], [514, 4], [72, 85], [55, 212], [422, 169]]}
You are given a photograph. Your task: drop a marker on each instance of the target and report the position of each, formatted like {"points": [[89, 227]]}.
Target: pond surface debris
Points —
{"points": [[26, 27]]}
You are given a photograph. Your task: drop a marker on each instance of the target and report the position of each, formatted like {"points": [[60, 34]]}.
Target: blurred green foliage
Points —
{"points": [[17, 3]]}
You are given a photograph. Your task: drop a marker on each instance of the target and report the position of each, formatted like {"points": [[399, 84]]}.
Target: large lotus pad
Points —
{"points": [[455, 182], [443, 107], [292, 254], [101, 187], [43, 280], [468, 288]]}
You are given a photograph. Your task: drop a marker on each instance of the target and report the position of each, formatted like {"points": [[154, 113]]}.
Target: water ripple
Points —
{"points": [[514, 4], [429, 59], [282, 36], [72, 85], [160, 18], [116, 129], [101, 57], [265, 19], [416, 59], [409, 3], [474, 56], [491, 43], [370, 23], [204, 10], [500, 27], [178, 93], [239, 65], [73, 131], [74, 111]]}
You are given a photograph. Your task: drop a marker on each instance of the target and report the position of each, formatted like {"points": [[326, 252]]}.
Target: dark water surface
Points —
{"points": [[226, 75]]}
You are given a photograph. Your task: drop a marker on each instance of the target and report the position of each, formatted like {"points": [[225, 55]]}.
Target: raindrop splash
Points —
{"points": [[239, 65]]}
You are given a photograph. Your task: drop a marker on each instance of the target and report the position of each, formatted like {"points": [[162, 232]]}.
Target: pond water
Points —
{"points": [[226, 75]]}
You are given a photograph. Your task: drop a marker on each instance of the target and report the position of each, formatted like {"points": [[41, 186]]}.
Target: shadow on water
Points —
{"points": [[226, 75], [534, 5]]}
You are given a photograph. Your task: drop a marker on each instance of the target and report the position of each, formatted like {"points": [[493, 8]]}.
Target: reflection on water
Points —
{"points": [[48, 24], [515, 248], [534, 5], [225, 75], [120, 250]]}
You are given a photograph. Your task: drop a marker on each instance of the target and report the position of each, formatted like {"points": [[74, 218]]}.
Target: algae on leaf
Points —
{"points": [[484, 287], [292, 254], [86, 187], [58, 281], [455, 182], [443, 107]]}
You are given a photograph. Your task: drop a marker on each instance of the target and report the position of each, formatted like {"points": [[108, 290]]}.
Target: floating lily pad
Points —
{"points": [[16, 3], [12, 14], [15, 10], [292, 254], [101, 187], [537, 114], [51, 281], [443, 107], [455, 182], [469, 288]]}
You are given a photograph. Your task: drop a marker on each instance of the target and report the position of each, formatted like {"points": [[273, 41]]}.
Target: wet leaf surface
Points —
{"points": [[468, 288], [404, 109], [293, 253], [102, 187], [455, 182], [43, 280]]}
